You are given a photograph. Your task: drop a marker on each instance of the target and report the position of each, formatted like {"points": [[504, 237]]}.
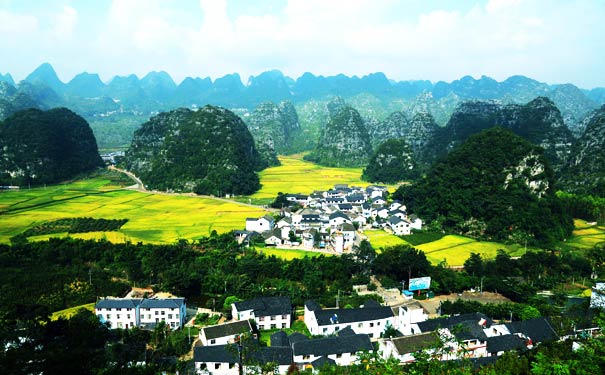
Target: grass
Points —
{"points": [[297, 326], [455, 250], [295, 175], [379, 239], [68, 313], [289, 254], [152, 218]]}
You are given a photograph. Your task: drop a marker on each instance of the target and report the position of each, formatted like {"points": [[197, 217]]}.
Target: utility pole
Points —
{"points": [[337, 298], [90, 276]]}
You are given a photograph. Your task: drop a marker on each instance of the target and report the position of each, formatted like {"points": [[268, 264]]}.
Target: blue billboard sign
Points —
{"points": [[420, 283]]}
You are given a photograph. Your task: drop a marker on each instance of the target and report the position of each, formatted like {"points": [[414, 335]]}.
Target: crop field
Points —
{"points": [[456, 249], [152, 217], [586, 236], [298, 176], [380, 239], [289, 254]]}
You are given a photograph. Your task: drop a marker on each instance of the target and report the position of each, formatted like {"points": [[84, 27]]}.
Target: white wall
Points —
{"points": [[172, 316], [274, 321], [118, 317]]}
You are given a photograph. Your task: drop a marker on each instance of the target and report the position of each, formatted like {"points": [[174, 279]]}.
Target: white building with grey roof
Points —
{"points": [[267, 312], [372, 319], [128, 313]]}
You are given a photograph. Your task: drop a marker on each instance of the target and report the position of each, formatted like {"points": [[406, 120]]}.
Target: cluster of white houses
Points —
{"points": [[144, 313], [345, 333], [332, 218]]}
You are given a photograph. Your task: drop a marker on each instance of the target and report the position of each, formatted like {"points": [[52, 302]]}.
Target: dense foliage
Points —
{"points": [[496, 185], [39, 147], [392, 162], [76, 225], [209, 151]]}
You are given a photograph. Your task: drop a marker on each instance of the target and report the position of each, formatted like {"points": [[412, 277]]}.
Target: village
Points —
{"points": [[334, 336], [332, 220]]}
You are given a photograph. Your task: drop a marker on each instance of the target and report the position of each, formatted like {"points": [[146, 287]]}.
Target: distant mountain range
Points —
{"points": [[157, 91]]}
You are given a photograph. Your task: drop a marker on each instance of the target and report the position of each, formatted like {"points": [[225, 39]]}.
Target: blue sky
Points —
{"points": [[554, 41]]}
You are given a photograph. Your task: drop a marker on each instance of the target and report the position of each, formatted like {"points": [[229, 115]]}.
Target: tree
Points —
{"points": [[474, 265]]}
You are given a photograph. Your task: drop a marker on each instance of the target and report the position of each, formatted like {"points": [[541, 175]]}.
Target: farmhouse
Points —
{"points": [[224, 359], [261, 224], [267, 312], [222, 334], [145, 313], [372, 319], [341, 350], [405, 348]]}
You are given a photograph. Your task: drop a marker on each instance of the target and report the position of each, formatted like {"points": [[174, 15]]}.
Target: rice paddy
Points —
{"points": [[454, 250], [153, 218], [289, 254], [68, 313], [296, 175], [380, 239], [586, 236]]}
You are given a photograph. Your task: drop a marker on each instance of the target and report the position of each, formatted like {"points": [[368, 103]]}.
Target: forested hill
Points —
{"points": [[496, 185], [344, 142], [39, 147], [539, 121], [585, 171], [209, 151]]}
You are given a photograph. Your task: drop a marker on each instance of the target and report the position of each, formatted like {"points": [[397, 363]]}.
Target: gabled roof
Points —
{"points": [[164, 303], [346, 227], [269, 218], [312, 305], [348, 331], [366, 206], [266, 306], [280, 338], [355, 197], [538, 329], [394, 220], [413, 217], [333, 345], [464, 327], [414, 343], [504, 343], [272, 233], [118, 303], [297, 337], [344, 316], [338, 214], [256, 354], [227, 329], [345, 206], [323, 361]]}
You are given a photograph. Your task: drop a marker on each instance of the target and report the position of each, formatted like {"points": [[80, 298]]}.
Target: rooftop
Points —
{"points": [[333, 345], [227, 329], [266, 306]]}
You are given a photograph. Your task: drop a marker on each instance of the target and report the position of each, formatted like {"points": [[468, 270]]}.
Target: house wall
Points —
{"points": [[216, 368], [173, 316], [373, 328], [273, 321], [407, 320], [119, 317], [344, 359], [241, 315], [259, 225]]}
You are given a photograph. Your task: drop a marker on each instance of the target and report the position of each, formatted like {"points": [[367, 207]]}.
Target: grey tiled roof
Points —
{"points": [[538, 329], [344, 316], [255, 354], [504, 343], [167, 303], [414, 343], [333, 345], [266, 306], [118, 303], [227, 329]]}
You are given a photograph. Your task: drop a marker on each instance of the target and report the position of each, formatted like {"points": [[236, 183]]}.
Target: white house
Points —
{"points": [[400, 227], [118, 312], [408, 318], [372, 319], [223, 359], [342, 350], [338, 218], [405, 348], [416, 222], [261, 224], [173, 311], [273, 237], [226, 333], [267, 312], [145, 313]]}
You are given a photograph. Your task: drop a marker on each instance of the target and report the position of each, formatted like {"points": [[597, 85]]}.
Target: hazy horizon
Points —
{"points": [[550, 41]]}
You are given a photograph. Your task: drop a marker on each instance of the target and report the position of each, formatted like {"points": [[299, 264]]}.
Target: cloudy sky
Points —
{"points": [[555, 41]]}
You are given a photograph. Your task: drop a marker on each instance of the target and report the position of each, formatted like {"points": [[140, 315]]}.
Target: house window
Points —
{"points": [[156, 312], [283, 325], [273, 326], [371, 325], [213, 341], [339, 355], [261, 318], [108, 316], [360, 325], [306, 357], [284, 317], [231, 365], [169, 316], [118, 316], [325, 330], [217, 366], [378, 323], [163, 312], [176, 316], [273, 317], [128, 316]]}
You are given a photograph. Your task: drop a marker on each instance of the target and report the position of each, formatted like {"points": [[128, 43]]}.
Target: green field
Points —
{"points": [[457, 249], [380, 239], [152, 218], [289, 254], [586, 236], [295, 175]]}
